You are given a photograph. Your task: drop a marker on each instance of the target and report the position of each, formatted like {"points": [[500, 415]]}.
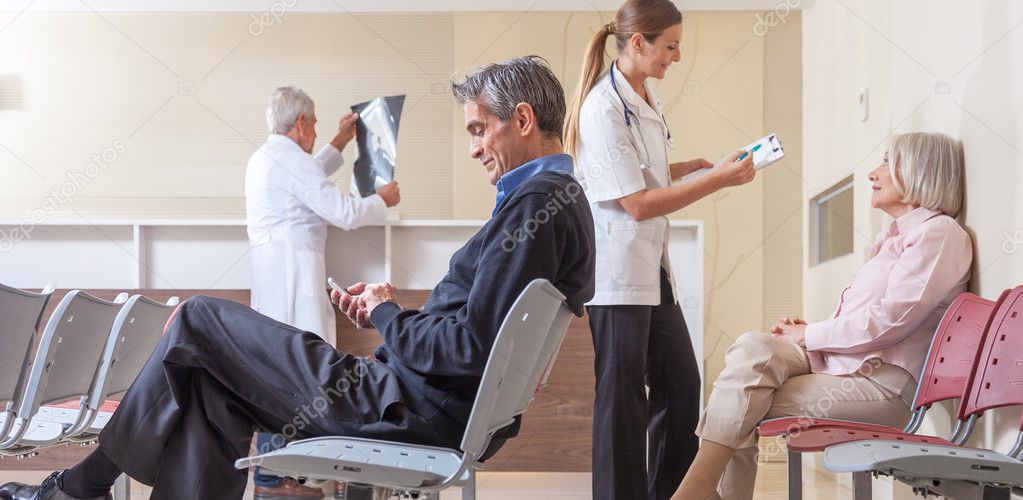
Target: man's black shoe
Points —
{"points": [[49, 490]]}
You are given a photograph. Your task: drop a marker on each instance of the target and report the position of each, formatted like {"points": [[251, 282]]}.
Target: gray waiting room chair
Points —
{"points": [[64, 365], [132, 338], [20, 313], [519, 364]]}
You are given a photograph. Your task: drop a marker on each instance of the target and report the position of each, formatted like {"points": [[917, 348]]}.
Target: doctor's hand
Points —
{"points": [[685, 168], [390, 194], [345, 131], [735, 172], [353, 305]]}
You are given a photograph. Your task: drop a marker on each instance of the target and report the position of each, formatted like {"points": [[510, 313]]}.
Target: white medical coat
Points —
{"points": [[288, 203], [613, 161]]}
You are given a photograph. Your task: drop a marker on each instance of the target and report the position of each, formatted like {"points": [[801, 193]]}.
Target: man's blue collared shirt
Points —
{"points": [[508, 182]]}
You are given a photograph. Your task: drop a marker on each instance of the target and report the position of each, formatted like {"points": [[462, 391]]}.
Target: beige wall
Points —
{"points": [[182, 97], [929, 66], [184, 94]]}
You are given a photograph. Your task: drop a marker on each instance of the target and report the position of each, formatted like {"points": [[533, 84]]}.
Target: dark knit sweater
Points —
{"points": [[542, 229]]}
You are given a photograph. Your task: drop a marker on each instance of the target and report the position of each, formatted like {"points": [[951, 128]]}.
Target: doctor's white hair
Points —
{"points": [[499, 87], [284, 107]]}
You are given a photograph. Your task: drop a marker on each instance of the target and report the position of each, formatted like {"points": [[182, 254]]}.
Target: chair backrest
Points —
{"points": [[133, 337], [954, 350], [998, 379], [515, 364], [548, 354], [20, 313], [69, 350]]}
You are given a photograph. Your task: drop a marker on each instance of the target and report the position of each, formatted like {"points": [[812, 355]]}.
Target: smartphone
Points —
{"points": [[333, 284]]}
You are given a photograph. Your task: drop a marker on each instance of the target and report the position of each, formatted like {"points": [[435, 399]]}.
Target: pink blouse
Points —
{"points": [[895, 301]]}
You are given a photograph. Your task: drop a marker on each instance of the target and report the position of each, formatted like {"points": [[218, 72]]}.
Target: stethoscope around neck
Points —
{"points": [[628, 119]]}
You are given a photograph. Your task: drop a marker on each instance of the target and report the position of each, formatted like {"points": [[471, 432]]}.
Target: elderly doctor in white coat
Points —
{"points": [[289, 201], [642, 445]]}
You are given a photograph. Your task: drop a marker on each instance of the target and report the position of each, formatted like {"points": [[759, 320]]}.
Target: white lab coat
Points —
{"points": [[613, 161], [288, 203]]}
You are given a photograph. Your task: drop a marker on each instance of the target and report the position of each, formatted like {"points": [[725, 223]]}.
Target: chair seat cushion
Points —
{"points": [[365, 461], [68, 417], [815, 440], [919, 461], [39, 433], [64, 416], [787, 425]]}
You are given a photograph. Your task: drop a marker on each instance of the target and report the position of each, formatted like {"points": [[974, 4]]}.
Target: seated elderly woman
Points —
{"points": [[861, 363]]}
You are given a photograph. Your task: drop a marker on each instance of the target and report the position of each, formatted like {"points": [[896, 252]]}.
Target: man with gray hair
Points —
{"points": [[222, 369], [289, 200]]}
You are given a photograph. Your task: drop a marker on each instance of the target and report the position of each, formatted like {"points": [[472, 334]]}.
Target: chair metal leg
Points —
{"points": [[469, 488], [122, 488], [364, 492], [795, 464], [988, 492], [861, 486]]}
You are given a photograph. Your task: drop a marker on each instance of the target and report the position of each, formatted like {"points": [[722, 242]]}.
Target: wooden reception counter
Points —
{"points": [[185, 258]]}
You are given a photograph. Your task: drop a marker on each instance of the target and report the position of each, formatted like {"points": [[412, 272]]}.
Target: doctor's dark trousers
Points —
{"points": [[638, 347], [223, 371]]}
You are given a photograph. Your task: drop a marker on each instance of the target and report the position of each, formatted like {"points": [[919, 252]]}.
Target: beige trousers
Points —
{"points": [[765, 377]]}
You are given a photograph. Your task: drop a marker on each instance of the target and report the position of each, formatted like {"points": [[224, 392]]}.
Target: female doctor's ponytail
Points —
{"points": [[648, 17], [593, 67]]}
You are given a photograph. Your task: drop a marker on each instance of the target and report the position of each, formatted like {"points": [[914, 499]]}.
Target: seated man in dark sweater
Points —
{"points": [[222, 370]]}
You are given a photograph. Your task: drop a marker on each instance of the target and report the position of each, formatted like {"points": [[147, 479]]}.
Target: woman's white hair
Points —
{"points": [[929, 170], [285, 105]]}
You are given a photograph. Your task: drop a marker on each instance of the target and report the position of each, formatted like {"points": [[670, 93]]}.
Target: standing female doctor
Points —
{"points": [[617, 133]]}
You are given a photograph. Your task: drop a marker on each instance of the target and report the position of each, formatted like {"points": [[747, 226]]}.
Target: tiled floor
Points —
{"points": [[563, 486]]}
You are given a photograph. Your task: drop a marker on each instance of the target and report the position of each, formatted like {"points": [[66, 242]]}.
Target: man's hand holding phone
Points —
{"points": [[358, 301]]}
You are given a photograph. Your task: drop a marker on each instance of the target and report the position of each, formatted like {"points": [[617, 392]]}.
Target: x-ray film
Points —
{"points": [[377, 135]]}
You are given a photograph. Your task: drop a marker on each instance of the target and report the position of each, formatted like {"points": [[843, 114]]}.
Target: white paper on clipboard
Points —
{"points": [[765, 151]]}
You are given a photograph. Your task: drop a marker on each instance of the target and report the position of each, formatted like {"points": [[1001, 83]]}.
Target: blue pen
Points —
{"points": [[748, 152]]}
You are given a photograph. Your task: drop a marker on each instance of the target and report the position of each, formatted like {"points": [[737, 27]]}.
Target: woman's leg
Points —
{"points": [[755, 366], [878, 393], [674, 379], [738, 480], [620, 336]]}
